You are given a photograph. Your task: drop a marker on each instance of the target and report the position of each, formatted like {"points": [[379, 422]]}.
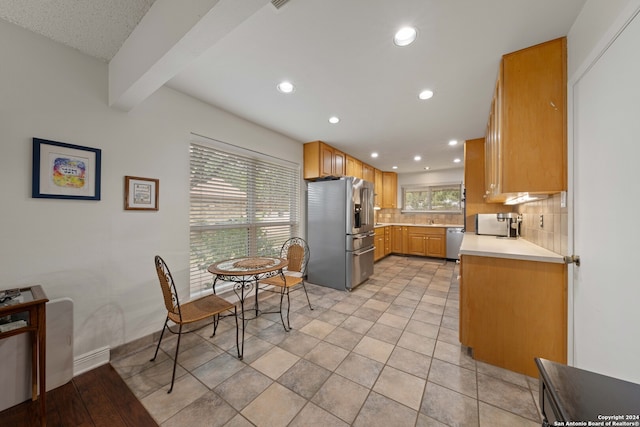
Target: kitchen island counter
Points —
{"points": [[520, 249]]}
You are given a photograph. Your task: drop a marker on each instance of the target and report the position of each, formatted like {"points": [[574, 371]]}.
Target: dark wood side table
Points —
{"points": [[27, 313], [569, 394]]}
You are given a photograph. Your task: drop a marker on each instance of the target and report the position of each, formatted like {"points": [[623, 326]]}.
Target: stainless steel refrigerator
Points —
{"points": [[340, 232]]}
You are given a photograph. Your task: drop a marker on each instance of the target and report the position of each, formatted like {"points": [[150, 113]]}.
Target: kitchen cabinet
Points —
{"points": [[322, 160], [513, 310], [377, 186], [387, 241], [425, 241], [397, 233], [354, 167], [474, 183], [389, 190], [526, 138], [379, 242], [368, 173]]}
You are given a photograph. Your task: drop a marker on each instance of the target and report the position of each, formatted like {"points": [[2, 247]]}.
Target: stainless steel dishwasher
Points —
{"points": [[454, 240]]}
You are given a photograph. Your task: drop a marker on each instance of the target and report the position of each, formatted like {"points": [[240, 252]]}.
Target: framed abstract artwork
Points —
{"points": [[65, 171], [141, 194]]}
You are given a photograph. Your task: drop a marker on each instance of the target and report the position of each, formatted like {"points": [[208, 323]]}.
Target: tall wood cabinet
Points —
{"points": [[389, 190], [474, 183], [526, 138]]}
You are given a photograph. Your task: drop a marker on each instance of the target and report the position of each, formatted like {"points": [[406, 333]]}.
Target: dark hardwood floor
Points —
{"points": [[96, 398]]}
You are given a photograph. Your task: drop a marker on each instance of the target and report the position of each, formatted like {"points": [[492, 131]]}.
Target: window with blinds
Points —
{"points": [[242, 204]]}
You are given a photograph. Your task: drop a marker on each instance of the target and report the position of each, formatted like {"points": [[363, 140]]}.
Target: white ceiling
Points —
{"points": [[341, 58]]}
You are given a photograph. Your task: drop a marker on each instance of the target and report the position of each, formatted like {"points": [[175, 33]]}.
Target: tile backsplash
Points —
{"points": [[397, 217], [554, 233]]}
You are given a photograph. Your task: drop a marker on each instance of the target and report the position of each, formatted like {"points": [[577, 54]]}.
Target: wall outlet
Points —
{"points": [[541, 221]]}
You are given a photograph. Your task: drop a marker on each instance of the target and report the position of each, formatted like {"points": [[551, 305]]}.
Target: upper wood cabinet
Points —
{"points": [[389, 190], [526, 139], [354, 167], [368, 173], [321, 160], [377, 186]]}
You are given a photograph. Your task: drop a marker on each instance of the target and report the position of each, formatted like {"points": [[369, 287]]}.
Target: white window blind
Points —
{"points": [[241, 205]]}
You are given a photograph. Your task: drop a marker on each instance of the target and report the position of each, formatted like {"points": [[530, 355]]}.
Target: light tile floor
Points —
{"points": [[386, 354]]}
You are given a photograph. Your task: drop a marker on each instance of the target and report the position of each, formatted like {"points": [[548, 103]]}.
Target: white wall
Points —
{"points": [[93, 251]]}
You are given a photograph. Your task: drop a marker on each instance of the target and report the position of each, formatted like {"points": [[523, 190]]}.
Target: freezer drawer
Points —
{"points": [[356, 242], [359, 266]]}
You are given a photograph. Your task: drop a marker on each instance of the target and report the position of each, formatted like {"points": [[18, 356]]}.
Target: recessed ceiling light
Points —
{"points": [[405, 36], [427, 168], [456, 160], [374, 154], [285, 87], [394, 167], [417, 158], [426, 94], [334, 120], [453, 142]]}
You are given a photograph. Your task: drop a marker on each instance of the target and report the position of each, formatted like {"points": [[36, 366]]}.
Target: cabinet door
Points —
{"points": [[379, 247], [326, 160], [354, 167], [387, 241], [339, 163], [377, 186], [416, 243], [436, 246], [389, 190], [368, 173], [396, 239]]}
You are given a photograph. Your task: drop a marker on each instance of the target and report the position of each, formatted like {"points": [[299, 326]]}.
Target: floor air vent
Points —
{"points": [[278, 3]]}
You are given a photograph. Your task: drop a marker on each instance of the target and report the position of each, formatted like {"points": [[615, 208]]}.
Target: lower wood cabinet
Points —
{"points": [[512, 311], [387, 241], [379, 243], [397, 240], [425, 241]]}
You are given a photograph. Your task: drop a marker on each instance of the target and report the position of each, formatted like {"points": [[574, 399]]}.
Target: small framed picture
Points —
{"points": [[141, 194], [65, 171]]}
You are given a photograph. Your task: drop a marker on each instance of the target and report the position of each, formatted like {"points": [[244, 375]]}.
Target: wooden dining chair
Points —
{"points": [[189, 312], [296, 251]]}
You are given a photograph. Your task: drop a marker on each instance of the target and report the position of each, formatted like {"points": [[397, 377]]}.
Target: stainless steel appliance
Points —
{"points": [[340, 232], [513, 221], [454, 240], [499, 224]]}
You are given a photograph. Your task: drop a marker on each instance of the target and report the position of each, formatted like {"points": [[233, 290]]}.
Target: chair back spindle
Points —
{"points": [[171, 302]]}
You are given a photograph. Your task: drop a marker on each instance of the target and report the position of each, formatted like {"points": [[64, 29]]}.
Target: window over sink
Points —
{"points": [[432, 198]]}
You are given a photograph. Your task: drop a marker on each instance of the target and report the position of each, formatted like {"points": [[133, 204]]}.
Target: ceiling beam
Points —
{"points": [[168, 38]]}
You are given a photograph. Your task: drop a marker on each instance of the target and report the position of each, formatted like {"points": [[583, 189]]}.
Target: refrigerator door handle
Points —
{"points": [[364, 252]]}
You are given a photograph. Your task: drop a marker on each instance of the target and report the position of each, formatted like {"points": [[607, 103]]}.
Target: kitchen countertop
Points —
{"points": [[492, 246], [403, 224]]}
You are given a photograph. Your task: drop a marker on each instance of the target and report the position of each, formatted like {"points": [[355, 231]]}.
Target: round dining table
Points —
{"points": [[245, 273]]}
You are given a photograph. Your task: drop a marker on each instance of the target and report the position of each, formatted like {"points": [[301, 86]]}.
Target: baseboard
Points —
{"points": [[90, 360]]}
